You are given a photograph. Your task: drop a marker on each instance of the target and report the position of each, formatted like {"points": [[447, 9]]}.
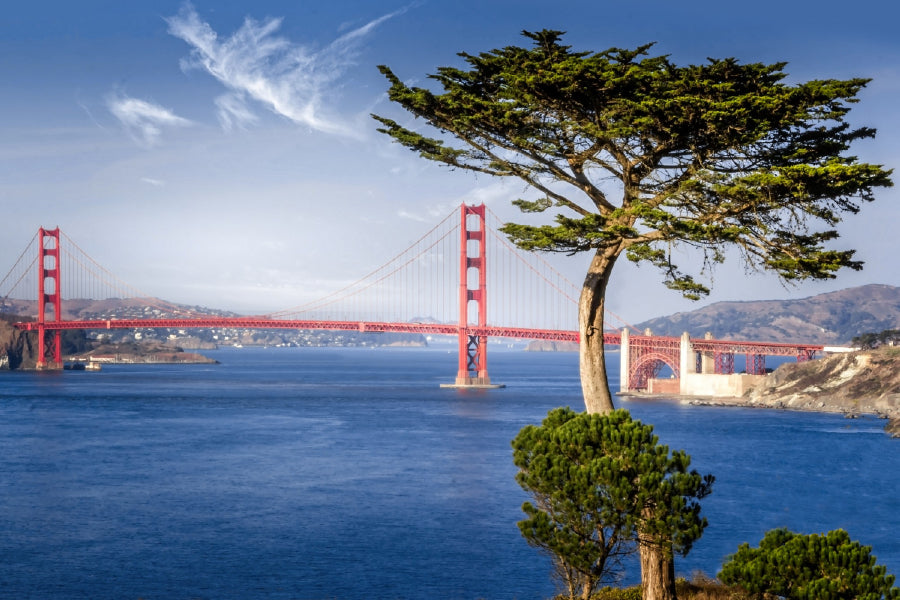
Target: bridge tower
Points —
{"points": [[49, 296], [472, 372]]}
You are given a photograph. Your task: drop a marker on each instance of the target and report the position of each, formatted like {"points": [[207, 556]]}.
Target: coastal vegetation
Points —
{"points": [[602, 488], [821, 567], [888, 337]]}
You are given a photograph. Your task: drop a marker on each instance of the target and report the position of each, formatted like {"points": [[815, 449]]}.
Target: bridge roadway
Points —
{"points": [[557, 335], [264, 323]]}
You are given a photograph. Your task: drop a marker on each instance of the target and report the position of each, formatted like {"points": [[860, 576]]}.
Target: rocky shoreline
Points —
{"points": [[186, 358], [892, 427], [853, 384], [782, 405]]}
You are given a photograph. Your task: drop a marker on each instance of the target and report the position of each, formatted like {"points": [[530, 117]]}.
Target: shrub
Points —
{"points": [[830, 566]]}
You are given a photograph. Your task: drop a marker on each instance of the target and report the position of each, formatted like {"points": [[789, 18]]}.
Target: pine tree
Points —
{"points": [[830, 566], [602, 486]]}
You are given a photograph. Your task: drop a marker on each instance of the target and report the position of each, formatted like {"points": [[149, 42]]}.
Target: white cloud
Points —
{"points": [[256, 64], [233, 111], [143, 120]]}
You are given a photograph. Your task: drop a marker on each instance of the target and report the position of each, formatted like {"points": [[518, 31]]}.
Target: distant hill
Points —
{"points": [[832, 318], [110, 307]]}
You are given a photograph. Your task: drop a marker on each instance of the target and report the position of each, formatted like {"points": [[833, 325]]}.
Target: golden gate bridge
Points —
{"points": [[439, 285]]}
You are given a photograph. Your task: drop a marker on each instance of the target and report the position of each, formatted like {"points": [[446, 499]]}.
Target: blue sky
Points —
{"points": [[222, 153]]}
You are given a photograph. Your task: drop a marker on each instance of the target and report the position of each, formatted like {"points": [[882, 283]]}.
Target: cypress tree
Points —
{"points": [[638, 156]]}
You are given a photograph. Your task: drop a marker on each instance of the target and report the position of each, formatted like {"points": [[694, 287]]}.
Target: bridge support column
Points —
{"points": [[472, 372], [805, 354], [756, 364], [49, 294], [707, 359], [624, 362], [724, 363], [687, 361]]}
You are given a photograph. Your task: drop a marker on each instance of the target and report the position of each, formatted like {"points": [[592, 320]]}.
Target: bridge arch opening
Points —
{"points": [[651, 365]]}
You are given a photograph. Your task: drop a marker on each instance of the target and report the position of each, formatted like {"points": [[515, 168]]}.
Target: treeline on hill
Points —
{"points": [[9, 319], [870, 341]]}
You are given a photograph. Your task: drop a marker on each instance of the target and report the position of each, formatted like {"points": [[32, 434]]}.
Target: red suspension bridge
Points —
{"points": [[437, 286]]}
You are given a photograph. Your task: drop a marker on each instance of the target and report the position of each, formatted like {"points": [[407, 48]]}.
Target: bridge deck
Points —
{"points": [[610, 338]]}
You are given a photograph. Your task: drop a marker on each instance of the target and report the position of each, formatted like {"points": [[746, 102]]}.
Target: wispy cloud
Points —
{"points": [[256, 64], [233, 112], [143, 120]]}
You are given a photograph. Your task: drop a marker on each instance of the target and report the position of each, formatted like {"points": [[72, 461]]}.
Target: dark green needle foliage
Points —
{"points": [[601, 485], [789, 565], [636, 155]]}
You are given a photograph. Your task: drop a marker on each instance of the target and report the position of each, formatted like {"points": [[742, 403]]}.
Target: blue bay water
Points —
{"points": [[348, 473]]}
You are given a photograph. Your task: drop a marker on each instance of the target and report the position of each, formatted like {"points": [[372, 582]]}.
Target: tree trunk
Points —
{"points": [[592, 360], [586, 590], [657, 573], [657, 565]]}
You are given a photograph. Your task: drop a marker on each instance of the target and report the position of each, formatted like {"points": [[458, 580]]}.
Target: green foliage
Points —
{"points": [[716, 155], [74, 341], [610, 593], [703, 587], [598, 483], [874, 340], [809, 567]]}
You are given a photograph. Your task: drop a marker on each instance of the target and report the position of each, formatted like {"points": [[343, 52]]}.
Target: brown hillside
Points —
{"points": [[830, 319]]}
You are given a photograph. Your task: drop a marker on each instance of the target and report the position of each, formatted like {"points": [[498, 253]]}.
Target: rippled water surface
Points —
{"points": [[348, 473]]}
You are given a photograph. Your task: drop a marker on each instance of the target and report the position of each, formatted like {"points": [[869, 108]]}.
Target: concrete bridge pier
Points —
{"points": [[687, 365], [703, 372], [707, 359], [624, 363]]}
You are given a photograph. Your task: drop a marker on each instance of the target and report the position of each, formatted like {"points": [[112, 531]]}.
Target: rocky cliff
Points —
{"points": [[893, 427], [855, 382], [17, 348]]}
